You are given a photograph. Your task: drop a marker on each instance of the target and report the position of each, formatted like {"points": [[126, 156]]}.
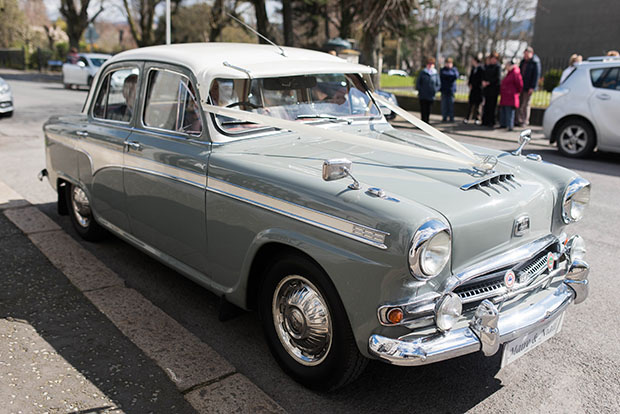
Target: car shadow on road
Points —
{"points": [[450, 386], [34, 292]]}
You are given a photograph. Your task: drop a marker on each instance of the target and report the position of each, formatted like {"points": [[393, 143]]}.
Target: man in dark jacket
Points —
{"points": [[530, 71], [490, 84], [427, 86], [476, 76], [448, 76]]}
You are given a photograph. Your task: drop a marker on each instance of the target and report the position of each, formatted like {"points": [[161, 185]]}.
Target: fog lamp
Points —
{"points": [[448, 311], [395, 315]]}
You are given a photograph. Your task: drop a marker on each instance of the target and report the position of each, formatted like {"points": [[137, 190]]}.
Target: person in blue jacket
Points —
{"points": [[448, 76], [427, 86], [530, 70]]}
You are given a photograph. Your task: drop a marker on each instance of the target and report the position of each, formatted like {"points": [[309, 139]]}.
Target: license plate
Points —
{"points": [[521, 346]]}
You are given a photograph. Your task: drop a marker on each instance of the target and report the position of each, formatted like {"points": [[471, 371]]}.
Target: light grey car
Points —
{"points": [[270, 177]]}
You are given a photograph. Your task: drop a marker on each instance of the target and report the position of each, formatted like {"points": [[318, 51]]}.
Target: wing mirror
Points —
{"points": [[337, 169], [524, 138], [81, 64]]}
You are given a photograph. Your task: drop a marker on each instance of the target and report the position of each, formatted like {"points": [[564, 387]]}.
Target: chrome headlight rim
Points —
{"points": [[423, 236], [576, 188]]}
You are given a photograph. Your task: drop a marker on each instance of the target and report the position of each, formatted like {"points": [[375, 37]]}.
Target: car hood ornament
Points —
{"points": [[486, 164]]}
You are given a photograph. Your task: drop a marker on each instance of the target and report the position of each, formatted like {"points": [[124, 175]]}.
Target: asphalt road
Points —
{"points": [[576, 371]]}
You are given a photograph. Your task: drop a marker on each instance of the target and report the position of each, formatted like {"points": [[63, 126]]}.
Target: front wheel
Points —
{"points": [[81, 214], [306, 326], [575, 138]]}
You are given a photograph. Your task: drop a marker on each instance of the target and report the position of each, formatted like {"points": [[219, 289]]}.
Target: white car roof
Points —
{"points": [[210, 60]]}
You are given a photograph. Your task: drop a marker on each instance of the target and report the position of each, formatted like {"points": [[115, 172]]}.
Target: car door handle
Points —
{"points": [[603, 97], [133, 144], [82, 134]]}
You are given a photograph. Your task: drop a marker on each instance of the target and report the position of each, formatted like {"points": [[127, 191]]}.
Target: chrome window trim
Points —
{"points": [[306, 215], [183, 135], [94, 101]]}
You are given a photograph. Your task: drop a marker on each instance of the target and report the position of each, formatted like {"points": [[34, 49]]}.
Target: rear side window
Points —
{"points": [[605, 78], [116, 98], [171, 103]]}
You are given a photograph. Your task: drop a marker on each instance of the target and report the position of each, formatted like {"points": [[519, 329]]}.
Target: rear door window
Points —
{"points": [[171, 103], [116, 98], [605, 78]]}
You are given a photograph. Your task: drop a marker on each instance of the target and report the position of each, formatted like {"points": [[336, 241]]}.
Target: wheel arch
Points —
{"points": [[561, 121]]}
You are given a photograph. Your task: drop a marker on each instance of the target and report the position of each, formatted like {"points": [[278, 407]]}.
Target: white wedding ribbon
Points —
{"points": [[433, 132], [313, 131]]}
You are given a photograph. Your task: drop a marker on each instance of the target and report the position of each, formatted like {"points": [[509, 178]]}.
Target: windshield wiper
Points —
{"points": [[324, 116]]}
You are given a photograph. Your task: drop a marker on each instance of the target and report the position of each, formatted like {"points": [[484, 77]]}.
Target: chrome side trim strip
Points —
{"points": [[361, 233], [165, 175]]}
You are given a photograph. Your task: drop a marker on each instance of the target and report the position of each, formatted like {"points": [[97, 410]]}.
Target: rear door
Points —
{"points": [[604, 104], [166, 167], [102, 141]]}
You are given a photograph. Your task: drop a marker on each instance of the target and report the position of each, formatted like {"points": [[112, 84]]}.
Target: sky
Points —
{"points": [[113, 10]]}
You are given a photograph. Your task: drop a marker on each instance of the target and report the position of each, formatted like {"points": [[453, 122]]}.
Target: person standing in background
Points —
{"points": [[448, 76], [427, 86], [490, 91], [476, 76], [530, 71], [574, 60], [510, 88]]}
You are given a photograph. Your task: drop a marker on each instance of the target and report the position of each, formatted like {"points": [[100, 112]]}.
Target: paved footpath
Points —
{"points": [[73, 338]]}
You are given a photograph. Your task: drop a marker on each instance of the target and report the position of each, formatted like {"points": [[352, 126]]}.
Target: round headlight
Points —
{"points": [[430, 250], [448, 311], [576, 198]]}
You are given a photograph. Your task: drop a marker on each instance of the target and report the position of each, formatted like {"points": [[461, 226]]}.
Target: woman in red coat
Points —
{"points": [[509, 95]]}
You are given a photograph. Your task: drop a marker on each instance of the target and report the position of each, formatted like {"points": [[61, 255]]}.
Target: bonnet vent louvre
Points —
{"points": [[496, 182]]}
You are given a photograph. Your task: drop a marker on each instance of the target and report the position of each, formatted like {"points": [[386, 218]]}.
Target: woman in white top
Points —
{"points": [[575, 59]]}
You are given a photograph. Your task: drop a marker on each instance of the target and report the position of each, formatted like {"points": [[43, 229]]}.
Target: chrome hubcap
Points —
{"points": [[81, 206], [573, 139], [302, 320]]}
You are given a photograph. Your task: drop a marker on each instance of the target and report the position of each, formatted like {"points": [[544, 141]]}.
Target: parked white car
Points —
{"points": [[84, 70], [6, 99], [397, 72], [584, 110]]}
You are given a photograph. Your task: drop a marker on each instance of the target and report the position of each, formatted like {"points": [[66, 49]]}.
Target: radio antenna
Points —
{"points": [[247, 26]]}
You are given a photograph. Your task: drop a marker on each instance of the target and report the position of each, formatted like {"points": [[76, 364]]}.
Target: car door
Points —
{"points": [[103, 141], [604, 104], [166, 167]]}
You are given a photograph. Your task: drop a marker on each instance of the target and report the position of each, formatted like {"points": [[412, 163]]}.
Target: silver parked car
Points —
{"points": [[584, 109], [270, 177], [6, 99], [83, 71]]}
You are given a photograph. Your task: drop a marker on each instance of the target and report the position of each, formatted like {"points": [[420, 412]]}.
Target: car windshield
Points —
{"points": [[333, 97], [97, 61]]}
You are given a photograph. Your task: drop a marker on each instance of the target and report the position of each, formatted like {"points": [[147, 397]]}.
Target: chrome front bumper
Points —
{"points": [[488, 328]]}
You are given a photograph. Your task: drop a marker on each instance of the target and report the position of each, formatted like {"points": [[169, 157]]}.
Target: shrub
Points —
{"points": [[551, 79]]}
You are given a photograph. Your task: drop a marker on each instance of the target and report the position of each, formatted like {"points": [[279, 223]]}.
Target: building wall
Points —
{"points": [[585, 27]]}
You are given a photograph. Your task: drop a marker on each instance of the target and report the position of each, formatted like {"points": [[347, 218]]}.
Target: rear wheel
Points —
{"points": [[575, 138], [306, 326], [81, 215]]}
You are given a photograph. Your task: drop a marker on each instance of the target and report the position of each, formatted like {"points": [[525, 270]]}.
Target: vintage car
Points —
{"points": [[269, 176], [83, 70]]}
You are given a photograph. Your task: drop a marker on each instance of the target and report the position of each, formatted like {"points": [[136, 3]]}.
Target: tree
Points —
{"points": [[77, 18], [262, 20], [11, 20], [142, 28]]}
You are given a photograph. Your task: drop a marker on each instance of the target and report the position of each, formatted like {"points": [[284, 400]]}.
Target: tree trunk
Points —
{"points": [[287, 21], [371, 50], [346, 18], [262, 21]]}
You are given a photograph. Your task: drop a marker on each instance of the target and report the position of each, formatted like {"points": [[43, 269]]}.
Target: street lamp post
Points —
{"points": [[439, 35], [168, 41]]}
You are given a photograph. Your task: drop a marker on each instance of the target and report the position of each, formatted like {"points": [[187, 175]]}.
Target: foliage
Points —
{"points": [[551, 79], [11, 22], [38, 58]]}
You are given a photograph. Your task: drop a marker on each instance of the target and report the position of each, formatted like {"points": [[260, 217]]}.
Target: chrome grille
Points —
{"points": [[533, 270], [495, 182], [479, 290]]}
